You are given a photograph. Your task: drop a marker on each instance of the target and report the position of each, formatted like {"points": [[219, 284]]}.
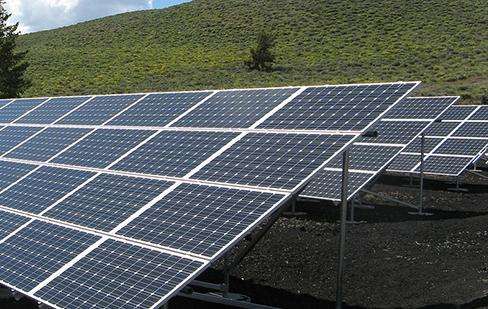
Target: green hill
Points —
{"points": [[203, 44]]}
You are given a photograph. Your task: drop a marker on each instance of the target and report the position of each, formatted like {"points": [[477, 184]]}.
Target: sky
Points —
{"points": [[36, 15]]}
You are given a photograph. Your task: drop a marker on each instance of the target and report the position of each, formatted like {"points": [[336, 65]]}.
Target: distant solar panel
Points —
{"points": [[445, 165], [158, 109], [174, 153], [18, 108], [52, 110], [367, 157], [99, 109], [12, 136], [46, 144], [462, 146], [457, 112], [102, 147], [480, 114], [415, 108], [10, 222], [236, 108], [468, 129], [395, 132], [37, 251], [441, 128], [107, 200], [429, 145], [42, 188]]}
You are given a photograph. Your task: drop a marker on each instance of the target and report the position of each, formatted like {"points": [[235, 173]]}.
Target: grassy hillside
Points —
{"points": [[202, 44]]}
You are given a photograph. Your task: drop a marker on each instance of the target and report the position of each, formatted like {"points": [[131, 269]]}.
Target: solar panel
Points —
{"points": [[429, 145], [214, 220], [4, 102], [102, 147], [174, 153], [10, 172], [17, 108], [52, 110], [462, 146], [10, 222], [12, 136], [337, 107], [445, 165], [158, 109], [404, 162], [468, 129], [42, 188], [103, 278], [272, 160], [236, 108], [415, 108], [480, 114], [107, 200], [367, 157], [457, 112], [46, 144], [441, 128], [99, 110], [395, 132], [37, 251]]}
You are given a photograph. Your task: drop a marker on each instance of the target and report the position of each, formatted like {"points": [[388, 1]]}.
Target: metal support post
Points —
{"points": [[411, 180], [342, 239], [226, 285], [420, 211]]}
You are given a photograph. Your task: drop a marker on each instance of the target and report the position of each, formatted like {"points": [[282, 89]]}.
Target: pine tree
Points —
{"points": [[262, 58], [12, 63]]}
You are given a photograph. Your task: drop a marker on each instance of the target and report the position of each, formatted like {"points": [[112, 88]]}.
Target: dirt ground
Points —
{"points": [[394, 259]]}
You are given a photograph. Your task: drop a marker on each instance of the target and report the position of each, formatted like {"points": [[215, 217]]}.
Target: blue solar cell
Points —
{"points": [[10, 222], [236, 108], [4, 102], [52, 110], [480, 114], [174, 153], [200, 219], [107, 200], [470, 129], [457, 112], [441, 128], [17, 108], [46, 144], [367, 157], [119, 275], [328, 185], [272, 160], [462, 146], [404, 162], [42, 188], [37, 251], [429, 145], [337, 107], [420, 108], [102, 147], [396, 132], [158, 109], [445, 165], [99, 110], [12, 136], [10, 172]]}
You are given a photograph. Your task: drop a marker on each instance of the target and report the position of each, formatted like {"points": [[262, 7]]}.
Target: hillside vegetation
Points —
{"points": [[203, 44]]}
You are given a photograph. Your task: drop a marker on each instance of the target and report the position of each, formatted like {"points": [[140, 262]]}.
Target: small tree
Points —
{"points": [[262, 58], [12, 65]]}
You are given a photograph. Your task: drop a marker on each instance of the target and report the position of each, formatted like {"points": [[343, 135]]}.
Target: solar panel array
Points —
{"points": [[371, 155], [121, 200], [454, 143]]}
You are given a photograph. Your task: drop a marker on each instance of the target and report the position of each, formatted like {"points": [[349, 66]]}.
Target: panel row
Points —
{"points": [[345, 107]]}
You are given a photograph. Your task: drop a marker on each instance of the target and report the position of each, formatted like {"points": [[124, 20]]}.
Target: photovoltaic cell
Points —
{"points": [[337, 107], [328, 184], [445, 165], [99, 110], [441, 128], [42, 188], [47, 144], [235, 109], [4, 102], [173, 153], [17, 108], [462, 146], [102, 147], [395, 132], [118, 275], [429, 145], [10, 172], [158, 109], [272, 160], [366, 157], [10, 222], [52, 110], [457, 112], [420, 108], [469, 129], [480, 114], [38, 250], [107, 200], [12, 136], [200, 219], [404, 162]]}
